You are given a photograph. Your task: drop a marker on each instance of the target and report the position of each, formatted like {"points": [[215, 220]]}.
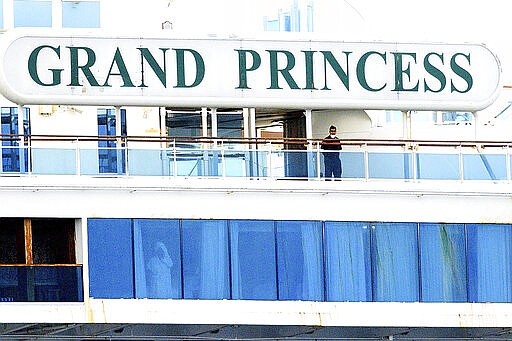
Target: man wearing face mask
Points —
{"points": [[331, 145]]}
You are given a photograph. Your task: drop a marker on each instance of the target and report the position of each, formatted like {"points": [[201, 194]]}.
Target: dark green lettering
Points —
{"points": [[360, 70], [342, 74], [159, 72], [461, 72], [121, 67], [435, 72], [400, 71], [274, 70], [32, 66], [242, 66], [180, 63], [74, 67]]}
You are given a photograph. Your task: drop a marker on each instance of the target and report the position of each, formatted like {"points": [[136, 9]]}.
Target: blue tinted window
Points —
{"points": [[111, 156], [489, 263], [32, 13], [156, 248], [253, 260], [443, 263], [205, 259], [81, 14], [347, 261], [300, 260], [395, 262], [2, 14], [110, 258]]}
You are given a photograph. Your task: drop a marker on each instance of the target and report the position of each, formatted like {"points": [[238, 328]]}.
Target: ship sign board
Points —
{"points": [[215, 72]]}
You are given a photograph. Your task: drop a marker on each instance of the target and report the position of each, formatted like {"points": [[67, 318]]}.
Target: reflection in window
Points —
{"points": [[205, 259], [32, 13], [489, 263], [395, 262], [443, 263], [253, 260], [157, 258], [347, 261], [300, 260]]}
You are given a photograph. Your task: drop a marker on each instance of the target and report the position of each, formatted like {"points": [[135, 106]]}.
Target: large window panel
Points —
{"points": [[205, 259], [395, 262], [347, 261], [300, 260], [157, 258], [489, 262], [81, 14], [32, 13], [443, 263], [253, 260], [110, 258]]}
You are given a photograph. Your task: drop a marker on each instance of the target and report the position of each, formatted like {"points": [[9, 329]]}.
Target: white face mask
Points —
{"points": [[333, 136]]}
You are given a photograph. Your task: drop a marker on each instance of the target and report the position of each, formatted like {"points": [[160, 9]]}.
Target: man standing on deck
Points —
{"points": [[331, 145]]}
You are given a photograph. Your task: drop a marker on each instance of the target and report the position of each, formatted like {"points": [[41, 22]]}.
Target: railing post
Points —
{"points": [[270, 173], [77, 157], [318, 175], [366, 163], [174, 161]]}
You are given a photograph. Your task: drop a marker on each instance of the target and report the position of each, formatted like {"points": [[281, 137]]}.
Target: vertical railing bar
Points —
{"points": [[318, 169], [77, 158], [174, 161]]}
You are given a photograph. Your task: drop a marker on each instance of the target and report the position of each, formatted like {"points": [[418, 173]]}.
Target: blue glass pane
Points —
{"points": [[157, 258], [234, 162], [300, 260], [2, 14], [438, 166], [41, 284], [489, 263], [89, 162], [205, 259], [253, 260], [390, 165], [53, 161], [81, 14], [111, 154], [110, 258], [150, 162], [484, 167], [443, 263], [347, 261], [353, 164], [295, 164], [395, 262], [32, 13]]}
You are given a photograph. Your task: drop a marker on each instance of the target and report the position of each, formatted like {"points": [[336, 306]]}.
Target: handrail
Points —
{"points": [[256, 140]]}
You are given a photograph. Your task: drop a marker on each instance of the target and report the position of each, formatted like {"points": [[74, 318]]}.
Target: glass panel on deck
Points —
{"points": [[438, 166], [347, 261], [484, 166], [390, 165]]}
